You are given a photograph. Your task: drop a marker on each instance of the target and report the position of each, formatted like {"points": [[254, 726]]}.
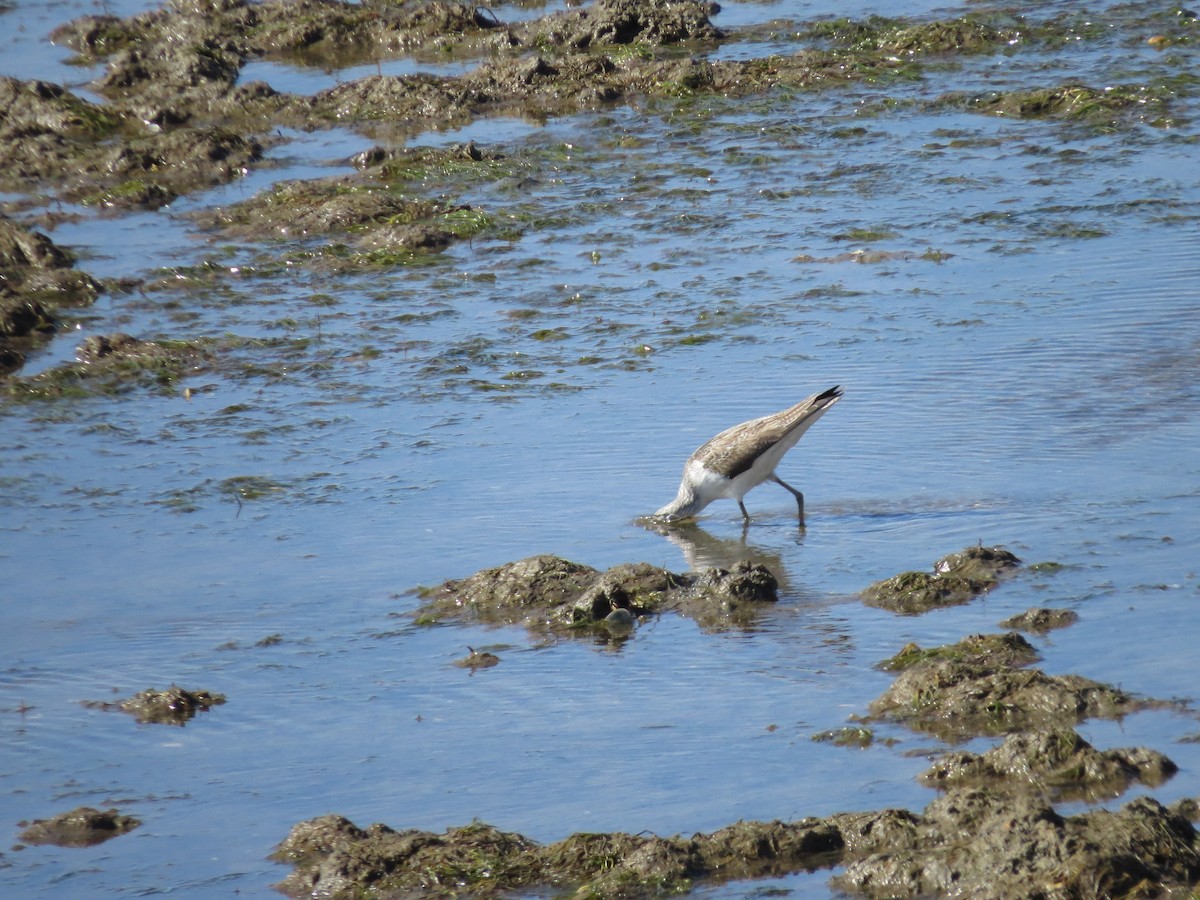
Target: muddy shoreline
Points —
{"points": [[992, 832], [175, 119]]}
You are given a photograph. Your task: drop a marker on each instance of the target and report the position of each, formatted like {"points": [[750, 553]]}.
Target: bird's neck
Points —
{"points": [[682, 505]]}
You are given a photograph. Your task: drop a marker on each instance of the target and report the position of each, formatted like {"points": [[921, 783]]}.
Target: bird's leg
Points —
{"points": [[795, 493], [745, 515]]}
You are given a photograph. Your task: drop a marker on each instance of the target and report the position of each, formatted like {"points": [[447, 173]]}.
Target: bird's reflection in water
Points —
{"points": [[823, 633], [703, 550]]}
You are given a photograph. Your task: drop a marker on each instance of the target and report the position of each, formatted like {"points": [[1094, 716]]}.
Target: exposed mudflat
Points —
{"points": [[993, 833]]}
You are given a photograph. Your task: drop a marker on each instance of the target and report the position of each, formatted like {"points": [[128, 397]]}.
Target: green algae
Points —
{"points": [[1021, 847], [84, 826], [996, 649], [878, 34], [848, 736], [1106, 106], [112, 365]]}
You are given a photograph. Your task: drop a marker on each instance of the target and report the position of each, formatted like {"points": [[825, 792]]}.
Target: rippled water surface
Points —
{"points": [[1020, 366]]}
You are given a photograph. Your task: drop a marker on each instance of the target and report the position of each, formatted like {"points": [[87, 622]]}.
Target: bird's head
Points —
{"points": [[684, 506]]}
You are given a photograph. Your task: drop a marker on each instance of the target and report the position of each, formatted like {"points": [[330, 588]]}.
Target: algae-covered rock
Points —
{"points": [[546, 592], [111, 156], [81, 827], [979, 566], [1056, 762], [966, 843], [1039, 620], [1097, 105], [995, 650], [335, 858], [917, 592], [955, 699], [174, 706], [848, 736], [297, 209], [956, 579], [608, 22], [508, 594], [20, 317], [477, 659], [979, 844], [34, 267], [36, 278], [112, 364], [979, 686]]}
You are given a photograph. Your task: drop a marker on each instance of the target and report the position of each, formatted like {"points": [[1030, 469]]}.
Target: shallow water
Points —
{"points": [[1036, 388]]}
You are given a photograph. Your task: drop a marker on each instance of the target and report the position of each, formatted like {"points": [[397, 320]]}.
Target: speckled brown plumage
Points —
{"points": [[744, 456]]}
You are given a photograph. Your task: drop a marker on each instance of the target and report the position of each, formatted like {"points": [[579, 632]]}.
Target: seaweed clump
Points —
{"points": [[174, 706], [956, 579], [80, 827], [969, 842], [1056, 761], [114, 364], [979, 686], [553, 594]]}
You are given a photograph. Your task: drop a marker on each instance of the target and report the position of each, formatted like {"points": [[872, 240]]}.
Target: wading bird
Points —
{"points": [[743, 457]]}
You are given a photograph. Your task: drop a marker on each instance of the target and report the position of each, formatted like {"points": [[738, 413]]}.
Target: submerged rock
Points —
{"points": [[966, 843], [956, 579], [1058, 763], [1039, 620], [174, 706], [81, 827], [477, 659], [546, 592]]}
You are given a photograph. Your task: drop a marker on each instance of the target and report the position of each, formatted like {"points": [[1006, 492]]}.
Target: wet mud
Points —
{"points": [[175, 118], [80, 827]]}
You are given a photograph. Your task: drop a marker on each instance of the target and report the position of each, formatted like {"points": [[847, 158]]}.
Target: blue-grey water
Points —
{"points": [[1023, 371]]}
